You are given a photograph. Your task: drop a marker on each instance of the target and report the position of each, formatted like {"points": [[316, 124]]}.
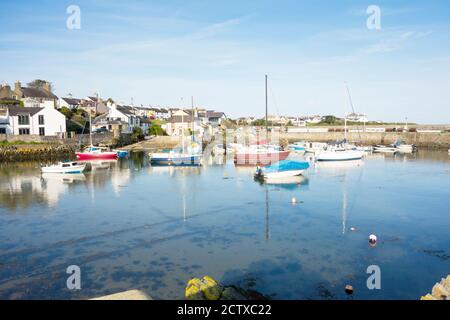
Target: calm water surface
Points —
{"points": [[132, 226]]}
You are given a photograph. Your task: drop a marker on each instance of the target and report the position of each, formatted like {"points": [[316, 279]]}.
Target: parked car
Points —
{"points": [[100, 130]]}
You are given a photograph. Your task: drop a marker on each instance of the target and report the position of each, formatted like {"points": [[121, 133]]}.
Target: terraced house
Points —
{"points": [[46, 121]]}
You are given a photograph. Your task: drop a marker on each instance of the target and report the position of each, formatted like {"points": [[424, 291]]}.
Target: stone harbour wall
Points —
{"points": [[422, 140]]}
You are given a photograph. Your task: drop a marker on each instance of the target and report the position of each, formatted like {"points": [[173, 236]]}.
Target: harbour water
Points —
{"points": [[128, 225]]}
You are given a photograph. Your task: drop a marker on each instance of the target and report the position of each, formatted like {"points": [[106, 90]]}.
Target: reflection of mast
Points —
{"points": [[344, 209], [267, 214]]}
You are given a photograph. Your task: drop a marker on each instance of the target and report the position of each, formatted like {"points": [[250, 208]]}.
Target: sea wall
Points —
{"points": [[422, 140], [67, 139], [36, 152]]}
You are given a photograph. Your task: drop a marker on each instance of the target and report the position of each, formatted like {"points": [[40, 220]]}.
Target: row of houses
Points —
{"points": [[36, 111], [300, 121]]}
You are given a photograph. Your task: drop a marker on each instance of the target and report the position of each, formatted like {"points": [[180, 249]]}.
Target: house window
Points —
{"points": [[41, 120], [2, 130], [42, 131], [24, 119], [24, 131]]}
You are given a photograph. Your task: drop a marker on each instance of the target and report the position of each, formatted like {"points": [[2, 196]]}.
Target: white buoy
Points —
{"points": [[352, 229], [372, 239], [294, 200]]}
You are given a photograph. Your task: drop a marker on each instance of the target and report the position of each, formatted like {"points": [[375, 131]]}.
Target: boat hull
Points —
{"points": [[260, 158], [100, 156], [58, 170], [167, 160], [283, 174], [340, 156]]}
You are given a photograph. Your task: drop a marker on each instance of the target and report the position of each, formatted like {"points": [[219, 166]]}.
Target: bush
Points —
{"points": [[156, 130], [137, 134]]}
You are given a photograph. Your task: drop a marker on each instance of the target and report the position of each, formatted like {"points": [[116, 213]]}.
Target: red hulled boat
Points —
{"points": [[96, 153]]}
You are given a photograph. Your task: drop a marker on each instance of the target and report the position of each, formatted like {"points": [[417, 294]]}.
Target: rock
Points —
{"points": [[428, 297], [446, 282], [193, 290], [230, 293], [203, 289], [349, 289], [440, 292], [212, 290]]}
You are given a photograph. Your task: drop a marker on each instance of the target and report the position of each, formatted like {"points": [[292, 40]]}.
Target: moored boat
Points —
{"points": [[175, 158], [260, 156], [122, 154], [65, 168], [385, 149], [96, 153], [282, 169], [340, 155]]}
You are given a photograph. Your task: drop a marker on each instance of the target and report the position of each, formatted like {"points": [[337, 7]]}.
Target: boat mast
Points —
{"points": [[192, 110], [267, 109], [90, 121]]}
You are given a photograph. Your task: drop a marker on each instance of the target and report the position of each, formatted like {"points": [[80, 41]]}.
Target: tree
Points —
{"points": [[67, 112], [329, 119], [40, 84], [137, 134], [156, 129]]}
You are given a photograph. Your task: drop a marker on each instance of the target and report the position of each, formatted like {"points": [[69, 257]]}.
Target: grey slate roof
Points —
{"points": [[14, 111], [72, 101]]}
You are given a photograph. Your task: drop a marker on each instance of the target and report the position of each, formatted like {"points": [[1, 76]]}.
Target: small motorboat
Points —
{"points": [[65, 168], [96, 153], [282, 169], [403, 147], [122, 154], [175, 157], [340, 155], [385, 149]]}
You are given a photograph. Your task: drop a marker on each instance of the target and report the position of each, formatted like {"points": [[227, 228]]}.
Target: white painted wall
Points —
{"points": [[54, 122]]}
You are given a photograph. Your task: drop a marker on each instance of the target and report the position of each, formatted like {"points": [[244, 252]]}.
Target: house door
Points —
{"points": [[42, 131]]}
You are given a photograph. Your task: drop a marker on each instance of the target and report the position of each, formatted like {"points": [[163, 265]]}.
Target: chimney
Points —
{"points": [[47, 87], [18, 89]]}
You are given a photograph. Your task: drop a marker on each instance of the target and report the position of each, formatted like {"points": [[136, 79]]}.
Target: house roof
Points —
{"points": [[125, 110], [103, 119], [180, 119], [37, 93], [14, 111], [72, 101], [214, 114]]}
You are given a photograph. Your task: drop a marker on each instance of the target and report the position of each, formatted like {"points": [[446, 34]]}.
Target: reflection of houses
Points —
{"points": [[26, 190], [117, 118], [45, 121]]}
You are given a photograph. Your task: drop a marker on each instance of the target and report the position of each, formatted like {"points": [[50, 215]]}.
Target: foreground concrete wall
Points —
{"points": [[422, 140]]}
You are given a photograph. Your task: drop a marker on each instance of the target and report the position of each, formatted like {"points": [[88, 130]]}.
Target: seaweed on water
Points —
{"points": [[440, 254]]}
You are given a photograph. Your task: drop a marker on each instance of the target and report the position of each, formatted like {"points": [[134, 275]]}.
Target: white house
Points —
{"points": [[122, 116], [179, 125], [43, 121], [356, 117], [70, 102]]}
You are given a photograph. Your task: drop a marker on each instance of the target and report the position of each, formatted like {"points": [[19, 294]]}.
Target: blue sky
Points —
{"points": [[218, 51]]}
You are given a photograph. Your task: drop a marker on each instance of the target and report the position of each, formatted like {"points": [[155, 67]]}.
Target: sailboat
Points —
{"points": [[340, 152], [262, 153], [95, 153], [184, 156]]}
